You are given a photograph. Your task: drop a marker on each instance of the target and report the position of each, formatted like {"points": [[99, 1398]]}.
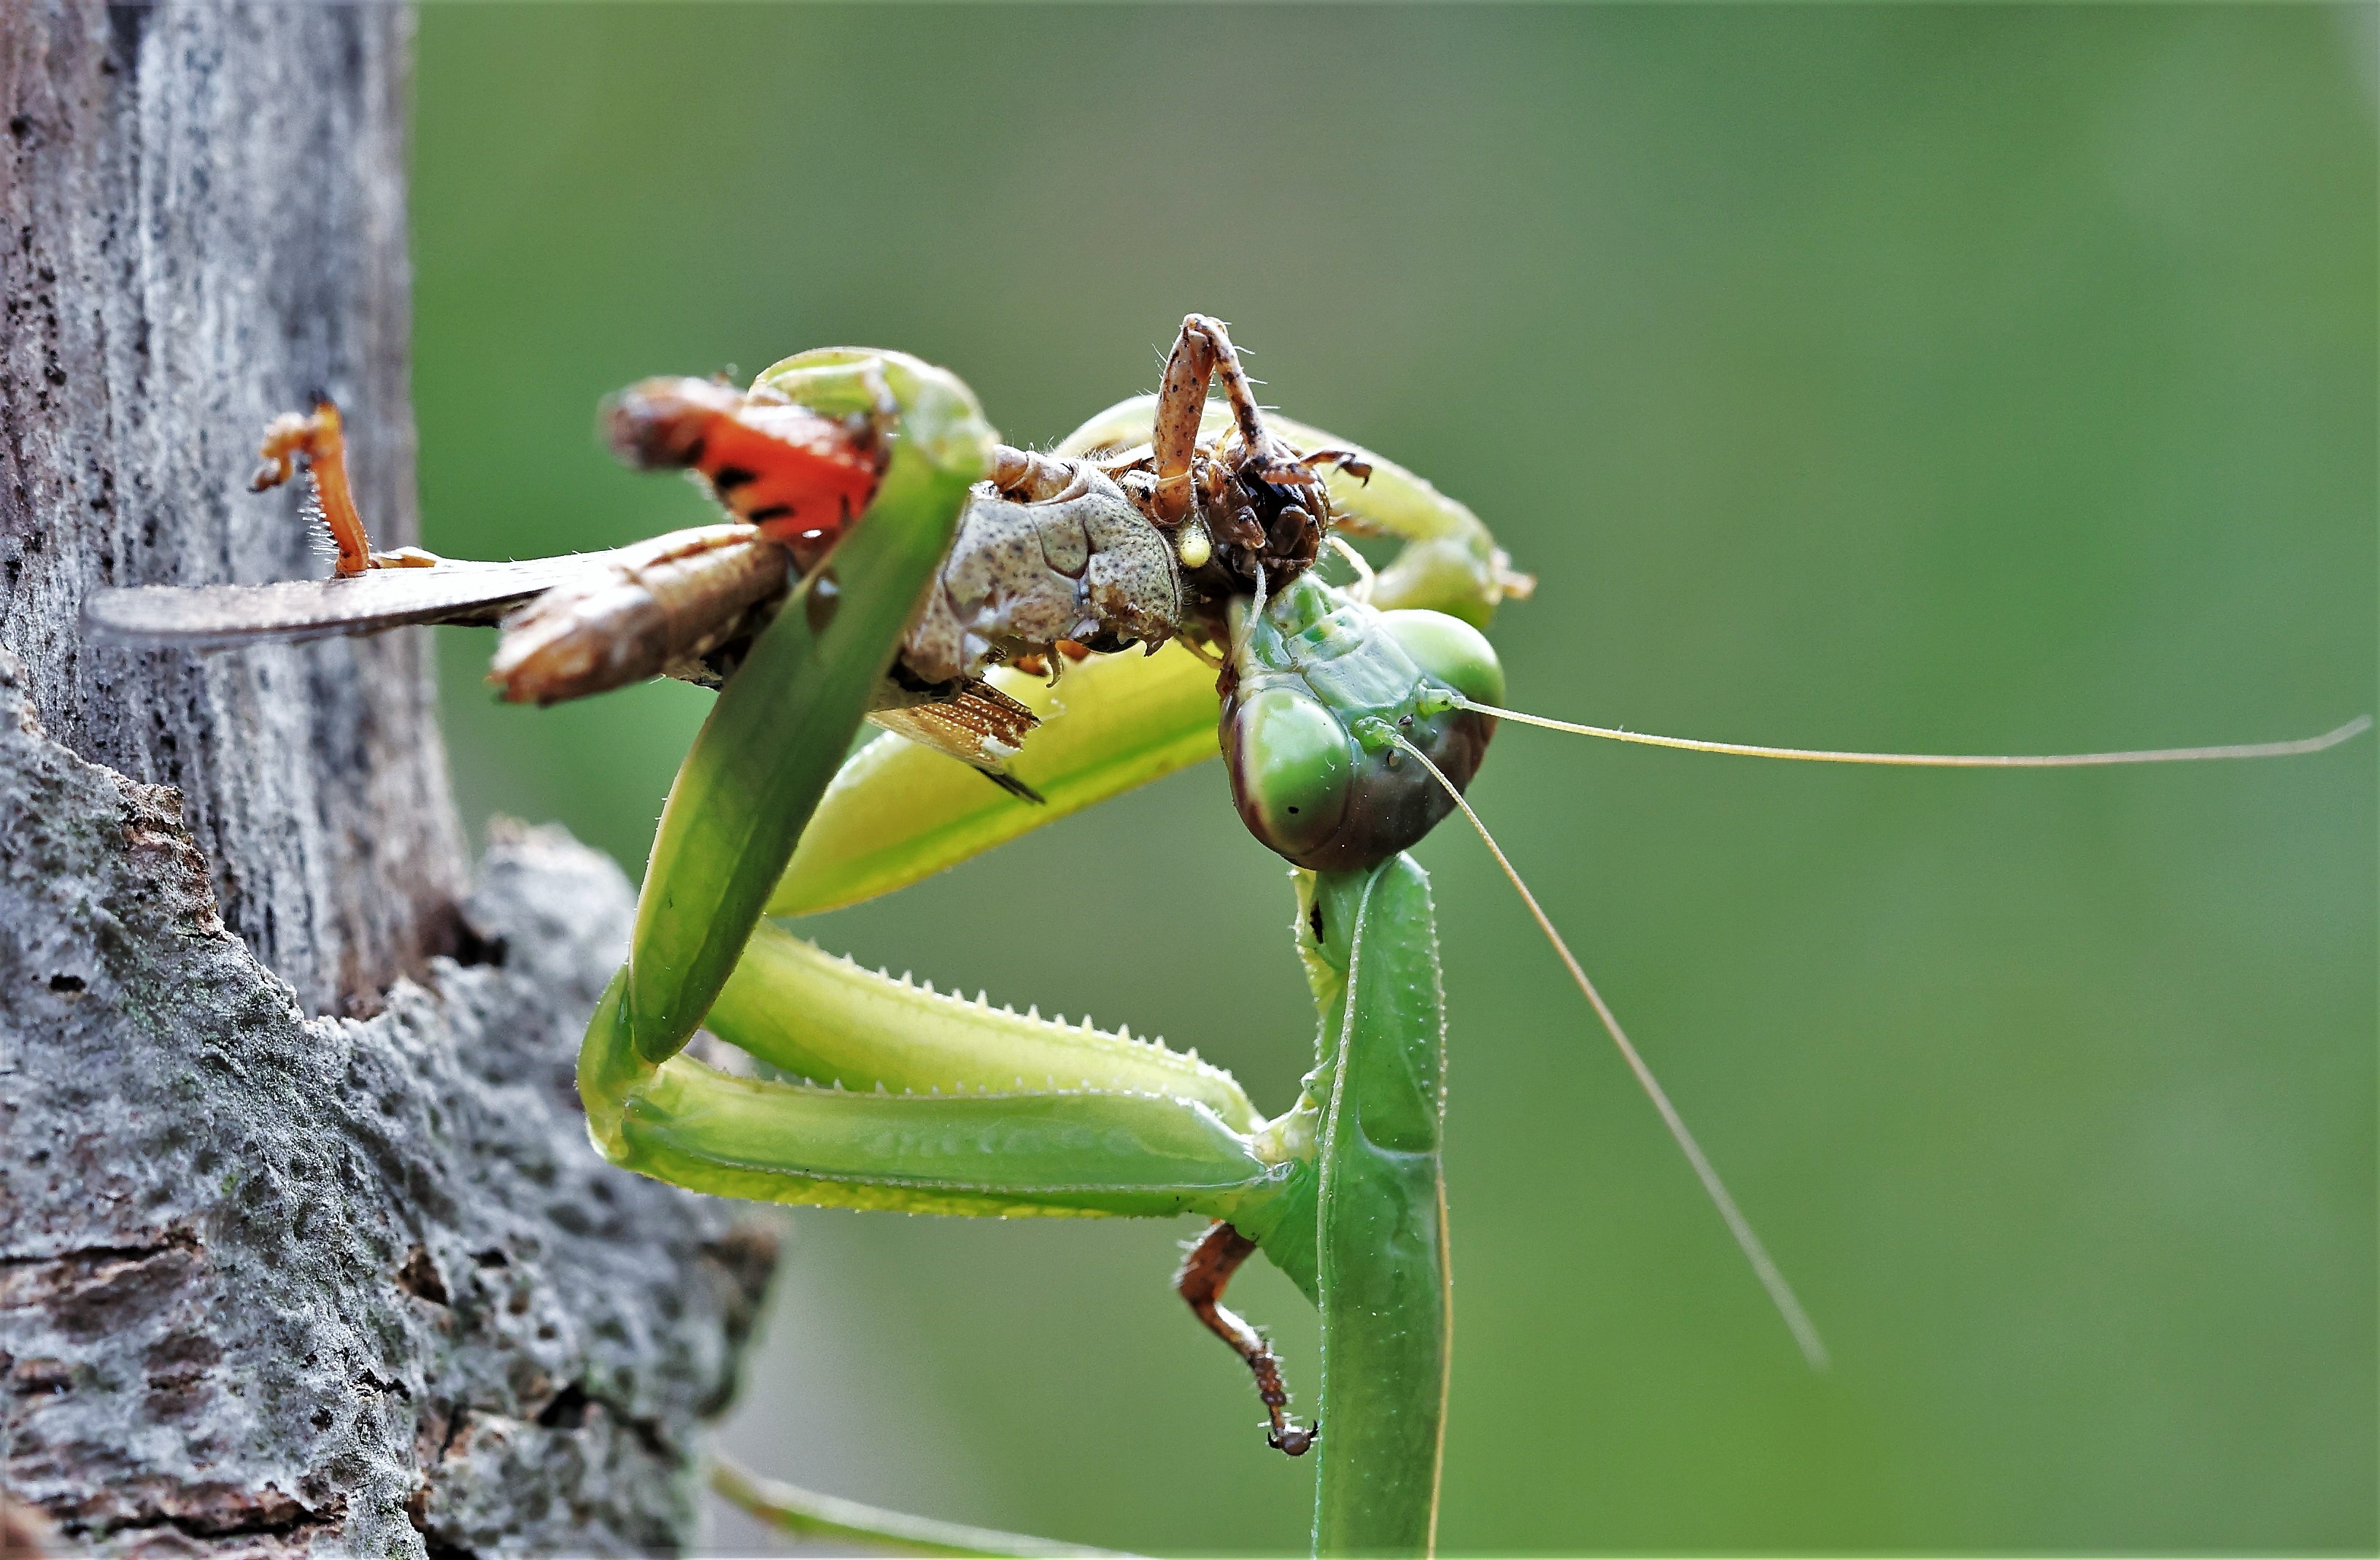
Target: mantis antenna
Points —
{"points": [[1764, 1267], [1780, 1293], [2355, 727]]}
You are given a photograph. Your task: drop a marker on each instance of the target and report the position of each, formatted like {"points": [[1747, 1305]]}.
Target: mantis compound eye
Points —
{"points": [[1293, 769], [1325, 688], [1449, 651]]}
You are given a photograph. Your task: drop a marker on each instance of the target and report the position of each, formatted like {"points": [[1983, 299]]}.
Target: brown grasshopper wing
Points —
{"points": [[654, 608], [296, 611], [977, 724]]}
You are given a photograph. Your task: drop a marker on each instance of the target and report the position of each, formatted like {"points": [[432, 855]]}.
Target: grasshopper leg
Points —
{"points": [[1206, 1271], [1202, 353], [651, 608], [317, 438]]}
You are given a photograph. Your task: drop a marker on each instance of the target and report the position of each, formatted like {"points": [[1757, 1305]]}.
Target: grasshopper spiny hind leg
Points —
{"points": [[1206, 1272], [317, 438], [1252, 492]]}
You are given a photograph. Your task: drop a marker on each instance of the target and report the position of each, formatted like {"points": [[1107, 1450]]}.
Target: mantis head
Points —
{"points": [[1320, 689]]}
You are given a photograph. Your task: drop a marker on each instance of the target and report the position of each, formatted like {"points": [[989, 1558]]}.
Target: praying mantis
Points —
{"points": [[1350, 721]]}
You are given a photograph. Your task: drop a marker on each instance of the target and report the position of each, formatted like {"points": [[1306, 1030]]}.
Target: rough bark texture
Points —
{"points": [[272, 1281], [204, 223]]}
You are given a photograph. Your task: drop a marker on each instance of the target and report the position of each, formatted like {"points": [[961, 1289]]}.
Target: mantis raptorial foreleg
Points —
{"points": [[778, 732], [1079, 1151], [823, 1018]]}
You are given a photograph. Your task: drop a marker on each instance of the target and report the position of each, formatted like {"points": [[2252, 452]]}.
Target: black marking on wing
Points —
{"points": [[773, 512], [1013, 785], [727, 478], [296, 611]]}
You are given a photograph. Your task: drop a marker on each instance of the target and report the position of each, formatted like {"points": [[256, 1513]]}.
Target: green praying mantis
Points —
{"points": [[924, 1103], [873, 570]]}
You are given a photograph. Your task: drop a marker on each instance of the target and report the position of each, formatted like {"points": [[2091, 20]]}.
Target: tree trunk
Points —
{"points": [[205, 226], [301, 1241]]}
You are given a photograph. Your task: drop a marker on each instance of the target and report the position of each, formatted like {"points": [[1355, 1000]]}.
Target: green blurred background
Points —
{"points": [[1970, 378]]}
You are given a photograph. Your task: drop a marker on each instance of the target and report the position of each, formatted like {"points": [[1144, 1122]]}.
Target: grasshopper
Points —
{"points": [[883, 554]]}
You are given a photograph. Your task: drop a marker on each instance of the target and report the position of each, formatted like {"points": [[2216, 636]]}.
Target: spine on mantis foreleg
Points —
{"points": [[1370, 945], [894, 1096]]}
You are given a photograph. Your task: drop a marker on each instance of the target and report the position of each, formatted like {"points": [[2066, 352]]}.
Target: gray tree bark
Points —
{"points": [[204, 221], [302, 1246]]}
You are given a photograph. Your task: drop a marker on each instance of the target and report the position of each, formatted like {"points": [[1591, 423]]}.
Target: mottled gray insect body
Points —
{"points": [[1084, 566]]}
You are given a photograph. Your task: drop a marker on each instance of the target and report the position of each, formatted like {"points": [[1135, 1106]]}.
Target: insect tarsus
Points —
{"points": [[1206, 1272]]}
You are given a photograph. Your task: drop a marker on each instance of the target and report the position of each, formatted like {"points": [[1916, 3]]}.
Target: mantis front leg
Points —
{"points": [[1102, 1147], [1124, 1131], [780, 728]]}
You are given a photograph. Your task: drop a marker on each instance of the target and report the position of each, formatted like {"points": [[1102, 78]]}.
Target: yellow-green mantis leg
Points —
{"points": [[898, 811]]}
